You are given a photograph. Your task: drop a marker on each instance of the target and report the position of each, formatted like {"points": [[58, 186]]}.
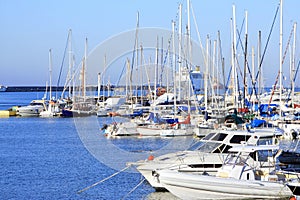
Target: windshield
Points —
{"points": [[207, 137], [196, 145], [262, 155], [36, 104], [219, 137], [208, 147], [235, 159], [265, 141]]}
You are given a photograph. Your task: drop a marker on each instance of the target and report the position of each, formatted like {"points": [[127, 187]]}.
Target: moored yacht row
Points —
{"points": [[225, 165], [164, 117]]}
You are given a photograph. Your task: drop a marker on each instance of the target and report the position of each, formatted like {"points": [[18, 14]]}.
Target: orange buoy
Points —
{"points": [[151, 157], [293, 198]]}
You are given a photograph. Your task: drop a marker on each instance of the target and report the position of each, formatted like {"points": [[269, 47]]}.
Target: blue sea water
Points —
{"points": [[44, 158]]}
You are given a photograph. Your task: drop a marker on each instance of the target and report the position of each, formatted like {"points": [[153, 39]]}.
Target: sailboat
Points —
{"points": [[81, 106], [183, 128], [52, 109]]}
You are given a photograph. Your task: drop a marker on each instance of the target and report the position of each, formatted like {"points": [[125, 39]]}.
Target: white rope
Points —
{"points": [[133, 189], [80, 191]]}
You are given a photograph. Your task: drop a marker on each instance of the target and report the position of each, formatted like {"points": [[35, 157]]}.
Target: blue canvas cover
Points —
{"points": [[257, 122]]}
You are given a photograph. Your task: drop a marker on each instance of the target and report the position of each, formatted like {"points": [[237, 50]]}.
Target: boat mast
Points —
{"points": [[259, 63], [174, 64], [245, 61], [136, 59], [179, 51], [206, 74], [161, 61], [253, 69], [168, 68], [189, 46], [213, 74], [293, 64], [189, 20], [103, 78], [84, 67], [222, 64], [128, 85], [99, 85], [280, 54], [108, 87], [70, 77], [142, 78], [234, 57], [50, 73], [156, 69]]}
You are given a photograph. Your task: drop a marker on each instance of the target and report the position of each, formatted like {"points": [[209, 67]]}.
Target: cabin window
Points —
{"points": [[222, 149], [220, 137], [253, 155], [205, 165], [225, 150], [237, 139], [263, 155], [265, 141], [209, 136]]}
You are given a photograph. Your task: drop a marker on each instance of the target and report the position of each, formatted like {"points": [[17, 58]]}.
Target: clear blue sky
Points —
{"points": [[30, 28]]}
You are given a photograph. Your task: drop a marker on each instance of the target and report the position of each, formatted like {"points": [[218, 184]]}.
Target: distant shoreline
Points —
{"points": [[37, 88], [61, 88], [31, 88]]}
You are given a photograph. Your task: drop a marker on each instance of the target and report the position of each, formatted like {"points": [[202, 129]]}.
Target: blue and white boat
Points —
{"points": [[207, 155], [244, 175]]}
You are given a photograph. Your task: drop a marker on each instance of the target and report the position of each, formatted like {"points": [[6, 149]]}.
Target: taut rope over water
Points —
{"points": [[133, 189], [89, 187]]}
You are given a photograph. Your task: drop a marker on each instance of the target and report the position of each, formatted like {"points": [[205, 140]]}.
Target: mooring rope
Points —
{"points": [[133, 189], [80, 191]]}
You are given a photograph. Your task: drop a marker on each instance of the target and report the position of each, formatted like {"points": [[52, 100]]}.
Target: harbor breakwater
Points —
{"points": [[38, 88], [31, 88]]}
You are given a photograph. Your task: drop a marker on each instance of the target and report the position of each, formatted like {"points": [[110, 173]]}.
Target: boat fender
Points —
{"points": [[205, 173], [294, 134], [156, 176], [104, 126]]}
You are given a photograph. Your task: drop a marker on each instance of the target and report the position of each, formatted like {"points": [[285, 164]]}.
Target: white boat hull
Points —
{"points": [[176, 132], [191, 186], [48, 114], [149, 131], [196, 162], [202, 132], [122, 129], [127, 131], [30, 111], [208, 159]]}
